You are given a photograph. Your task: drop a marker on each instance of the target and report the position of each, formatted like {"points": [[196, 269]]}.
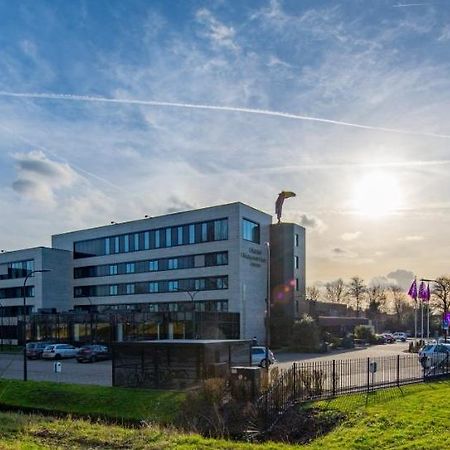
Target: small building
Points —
{"points": [[176, 364]]}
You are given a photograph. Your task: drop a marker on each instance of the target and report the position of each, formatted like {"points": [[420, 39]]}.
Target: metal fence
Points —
{"points": [[307, 381]]}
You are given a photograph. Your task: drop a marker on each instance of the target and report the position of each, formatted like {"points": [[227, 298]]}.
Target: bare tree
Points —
{"points": [[356, 289], [399, 303], [335, 291], [312, 293], [441, 294], [377, 299]]}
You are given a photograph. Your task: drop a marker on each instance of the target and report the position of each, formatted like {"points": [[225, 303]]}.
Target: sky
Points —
{"points": [[370, 171]]}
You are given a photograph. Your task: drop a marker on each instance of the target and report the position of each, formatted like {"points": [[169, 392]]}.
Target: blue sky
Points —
{"points": [[373, 201]]}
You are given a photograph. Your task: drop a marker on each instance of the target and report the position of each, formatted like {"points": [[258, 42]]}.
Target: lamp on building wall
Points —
{"points": [[25, 368]]}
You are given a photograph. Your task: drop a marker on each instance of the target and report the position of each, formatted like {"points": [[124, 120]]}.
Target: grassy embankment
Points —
{"points": [[94, 401], [416, 419]]}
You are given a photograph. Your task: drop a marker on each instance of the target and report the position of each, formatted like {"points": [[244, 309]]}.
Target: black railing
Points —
{"points": [[306, 381]]}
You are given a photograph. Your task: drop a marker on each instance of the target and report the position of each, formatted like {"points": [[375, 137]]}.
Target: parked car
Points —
{"points": [[92, 353], [390, 339], [400, 336], [34, 349], [380, 339], [259, 357], [59, 351], [431, 355]]}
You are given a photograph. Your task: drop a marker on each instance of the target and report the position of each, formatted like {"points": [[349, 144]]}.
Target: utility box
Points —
{"points": [[246, 382]]}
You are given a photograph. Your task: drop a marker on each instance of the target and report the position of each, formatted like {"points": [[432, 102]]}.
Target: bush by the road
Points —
{"points": [[365, 333], [305, 335]]}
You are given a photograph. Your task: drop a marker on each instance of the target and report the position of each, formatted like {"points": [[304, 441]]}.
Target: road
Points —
{"points": [[285, 360], [99, 373], [11, 366]]}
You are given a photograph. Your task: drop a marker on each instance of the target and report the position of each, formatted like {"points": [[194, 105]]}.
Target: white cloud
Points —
{"points": [[351, 236], [215, 30], [412, 238]]}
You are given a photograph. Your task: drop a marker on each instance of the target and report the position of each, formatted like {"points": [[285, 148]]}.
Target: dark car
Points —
{"points": [[35, 349], [92, 353]]}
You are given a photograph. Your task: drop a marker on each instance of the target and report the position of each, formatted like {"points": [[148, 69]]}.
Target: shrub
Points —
{"points": [[305, 335], [365, 333]]}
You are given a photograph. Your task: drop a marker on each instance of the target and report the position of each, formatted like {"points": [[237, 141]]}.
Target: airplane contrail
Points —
{"points": [[405, 5], [85, 98]]}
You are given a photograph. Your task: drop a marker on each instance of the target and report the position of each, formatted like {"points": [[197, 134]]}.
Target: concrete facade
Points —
{"points": [[51, 290]]}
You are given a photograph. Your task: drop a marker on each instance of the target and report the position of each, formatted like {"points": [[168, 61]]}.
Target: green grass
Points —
{"points": [[418, 418], [93, 401]]}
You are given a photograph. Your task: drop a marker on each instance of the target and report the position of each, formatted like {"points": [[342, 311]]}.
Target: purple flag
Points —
{"points": [[413, 290], [428, 293], [423, 291]]}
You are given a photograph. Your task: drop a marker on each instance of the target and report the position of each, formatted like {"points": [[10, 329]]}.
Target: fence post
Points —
{"points": [[368, 375], [294, 368], [334, 378], [398, 370]]}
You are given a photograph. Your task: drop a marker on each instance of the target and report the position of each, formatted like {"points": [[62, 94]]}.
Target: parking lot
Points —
{"points": [[100, 373], [11, 366]]}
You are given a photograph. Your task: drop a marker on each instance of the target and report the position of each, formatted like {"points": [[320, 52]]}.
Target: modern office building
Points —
{"points": [[172, 274]]}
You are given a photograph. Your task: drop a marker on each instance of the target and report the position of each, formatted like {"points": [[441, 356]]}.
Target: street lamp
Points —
{"points": [[444, 292], [268, 306], [192, 295], [25, 368], [91, 310], [2, 325]]}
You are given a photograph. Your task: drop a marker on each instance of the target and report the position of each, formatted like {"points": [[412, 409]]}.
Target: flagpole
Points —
{"points": [[415, 320], [421, 312], [428, 321]]}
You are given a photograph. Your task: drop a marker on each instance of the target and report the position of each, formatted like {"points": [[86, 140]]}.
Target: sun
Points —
{"points": [[377, 194]]}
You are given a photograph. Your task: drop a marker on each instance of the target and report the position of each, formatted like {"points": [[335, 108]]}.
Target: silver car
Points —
{"points": [[59, 351], [434, 355], [259, 357]]}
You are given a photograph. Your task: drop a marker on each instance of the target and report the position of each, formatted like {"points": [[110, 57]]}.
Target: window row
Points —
{"points": [[184, 285], [187, 306], [214, 230], [153, 265], [16, 292], [17, 269]]}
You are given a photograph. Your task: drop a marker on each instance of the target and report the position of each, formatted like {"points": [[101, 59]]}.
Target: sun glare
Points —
{"points": [[376, 195]]}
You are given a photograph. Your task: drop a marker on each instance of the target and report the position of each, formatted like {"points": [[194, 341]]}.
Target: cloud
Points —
{"points": [[402, 277], [39, 177], [215, 30], [412, 238], [351, 236], [312, 222], [177, 204]]}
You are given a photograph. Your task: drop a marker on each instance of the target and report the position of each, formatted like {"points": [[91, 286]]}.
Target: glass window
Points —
{"points": [[173, 263], [113, 289], [153, 286], [296, 284], [220, 229], [126, 243], [204, 236], [107, 246], [130, 288], [296, 239], [179, 235], [157, 239], [130, 268], [116, 245], [146, 240], [173, 286], [199, 284], [153, 265], [191, 234], [296, 262], [250, 231], [168, 237], [136, 241], [113, 269]]}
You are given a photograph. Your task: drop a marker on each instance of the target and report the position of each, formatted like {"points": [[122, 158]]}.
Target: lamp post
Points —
{"points": [[91, 309], [268, 307], [1, 326], [444, 293], [192, 295], [25, 368]]}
